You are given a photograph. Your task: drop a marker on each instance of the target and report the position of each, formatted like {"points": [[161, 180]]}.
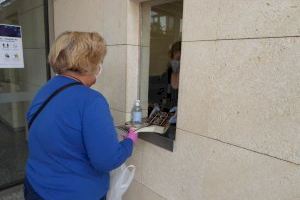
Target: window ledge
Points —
{"points": [[165, 141]]}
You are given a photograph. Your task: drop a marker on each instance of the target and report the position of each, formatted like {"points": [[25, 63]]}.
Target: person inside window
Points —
{"points": [[173, 73]]}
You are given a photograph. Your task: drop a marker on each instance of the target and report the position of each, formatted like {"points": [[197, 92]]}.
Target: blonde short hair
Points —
{"points": [[80, 52]]}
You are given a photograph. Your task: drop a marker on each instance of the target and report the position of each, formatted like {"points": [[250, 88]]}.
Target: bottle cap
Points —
{"points": [[137, 102]]}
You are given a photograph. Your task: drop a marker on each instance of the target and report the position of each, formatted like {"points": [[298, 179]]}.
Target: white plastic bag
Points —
{"points": [[120, 180]]}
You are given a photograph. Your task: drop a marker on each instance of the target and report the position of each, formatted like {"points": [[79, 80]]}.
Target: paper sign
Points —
{"points": [[11, 48]]}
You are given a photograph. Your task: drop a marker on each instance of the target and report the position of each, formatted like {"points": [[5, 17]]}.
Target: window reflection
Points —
{"points": [[160, 56], [18, 85]]}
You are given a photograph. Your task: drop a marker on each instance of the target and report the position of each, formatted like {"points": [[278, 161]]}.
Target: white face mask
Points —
{"points": [[100, 71]]}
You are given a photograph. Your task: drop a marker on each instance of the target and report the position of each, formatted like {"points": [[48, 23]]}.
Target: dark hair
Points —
{"points": [[174, 48]]}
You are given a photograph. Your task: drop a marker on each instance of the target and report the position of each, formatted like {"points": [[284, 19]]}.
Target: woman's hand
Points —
{"points": [[133, 135]]}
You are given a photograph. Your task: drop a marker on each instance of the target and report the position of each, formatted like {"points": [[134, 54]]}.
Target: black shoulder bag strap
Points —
{"points": [[56, 92]]}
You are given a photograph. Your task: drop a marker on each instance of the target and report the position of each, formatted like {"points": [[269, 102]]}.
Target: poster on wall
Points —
{"points": [[11, 48]]}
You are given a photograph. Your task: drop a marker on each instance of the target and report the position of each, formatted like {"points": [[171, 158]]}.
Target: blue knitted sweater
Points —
{"points": [[73, 143]]}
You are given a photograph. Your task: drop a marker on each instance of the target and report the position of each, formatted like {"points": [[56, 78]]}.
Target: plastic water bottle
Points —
{"points": [[137, 113]]}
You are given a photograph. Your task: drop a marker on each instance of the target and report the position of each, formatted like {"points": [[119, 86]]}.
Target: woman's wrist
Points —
{"points": [[133, 135]]}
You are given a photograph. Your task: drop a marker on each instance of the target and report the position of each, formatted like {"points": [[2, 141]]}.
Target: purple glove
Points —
{"points": [[132, 134]]}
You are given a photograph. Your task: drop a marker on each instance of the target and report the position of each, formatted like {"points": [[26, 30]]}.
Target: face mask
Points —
{"points": [[175, 64], [100, 71]]}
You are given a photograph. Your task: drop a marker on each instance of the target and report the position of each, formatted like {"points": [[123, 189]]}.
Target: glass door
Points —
{"points": [[23, 69]]}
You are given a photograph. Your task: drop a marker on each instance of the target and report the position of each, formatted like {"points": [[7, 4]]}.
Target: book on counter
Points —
{"points": [[153, 129], [145, 128], [157, 123]]}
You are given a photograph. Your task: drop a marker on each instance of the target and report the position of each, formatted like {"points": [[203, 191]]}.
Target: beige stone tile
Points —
{"points": [[200, 19], [112, 81], [133, 22], [78, 15], [146, 24], [258, 18], [234, 173], [136, 159], [33, 28], [134, 192], [138, 191], [144, 76], [202, 168], [128, 116], [177, 175], [114, 21], [197, 67], [245, 92], [255, 101], [118, 116], [216, 19], [132, 71]]}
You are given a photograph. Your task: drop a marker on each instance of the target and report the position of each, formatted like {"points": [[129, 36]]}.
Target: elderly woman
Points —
{"points": [[73, 144]]}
